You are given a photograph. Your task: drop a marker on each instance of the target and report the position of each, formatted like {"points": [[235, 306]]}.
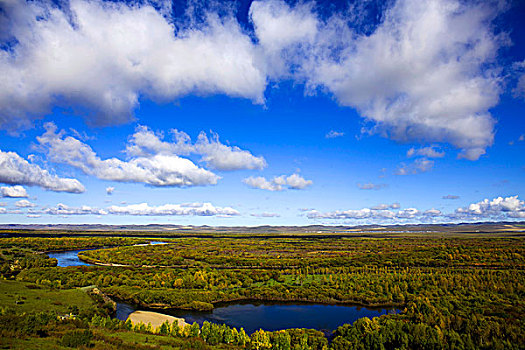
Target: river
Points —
{"points": [[70, 257], [251, 316]]}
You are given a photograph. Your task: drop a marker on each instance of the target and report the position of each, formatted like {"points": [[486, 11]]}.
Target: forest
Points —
{"points": [[454, 292]]}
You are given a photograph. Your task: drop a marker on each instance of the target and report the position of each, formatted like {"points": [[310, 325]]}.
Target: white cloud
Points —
{"points": [[193, 209], [24, 204], [63, 209], [266, 215], [386, 206], [429, 152], [497, 208], [223, 157], [284, 33], [157, 170], [378, 213], [103, 55], [365, 213], [14, 191], [297, 182], [261, 183], [110, 190], [144, 142], [371, 186], [333, 134], [15, 170], [432, 212], [408, 213], [3, 211], [519, 90], [421, 165], [427, 72], [421, 74], [278, 183]]}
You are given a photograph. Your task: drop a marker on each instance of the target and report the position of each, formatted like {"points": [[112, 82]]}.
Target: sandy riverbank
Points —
{"points": [[155, 318]]}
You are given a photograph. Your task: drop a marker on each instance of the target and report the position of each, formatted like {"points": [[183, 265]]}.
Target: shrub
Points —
{"points": [[76, 338]]}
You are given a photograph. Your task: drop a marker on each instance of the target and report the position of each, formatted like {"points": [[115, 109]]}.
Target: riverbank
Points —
{"points": [[156, 319]]}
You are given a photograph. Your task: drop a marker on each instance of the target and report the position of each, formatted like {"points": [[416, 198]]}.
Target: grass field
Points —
{"points": [[21, 297]]}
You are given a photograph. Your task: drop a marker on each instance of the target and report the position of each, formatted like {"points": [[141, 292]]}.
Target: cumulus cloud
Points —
{"points": [[379, 213], [13, 191], [333, 134], [15, 170], [216, 155], [371, 186], [365, 213], [432, 212], [278, 183], [284, 34], [143, 209], [156, 170], [427, 72], [421, 74], [421, 165], [499, 208], [128, 50], [24, 204], [193, 209], [429, 152], [110, 190], [63, 209]]}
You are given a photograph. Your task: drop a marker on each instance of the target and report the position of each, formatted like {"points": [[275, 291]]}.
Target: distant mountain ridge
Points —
{"points": [[463, 227]]}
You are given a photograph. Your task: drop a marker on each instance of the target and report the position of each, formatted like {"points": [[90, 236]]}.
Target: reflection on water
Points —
{"points": [[273, 316]]}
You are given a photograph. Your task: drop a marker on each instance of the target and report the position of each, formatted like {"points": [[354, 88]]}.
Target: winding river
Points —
{"points": [[251, 316]]}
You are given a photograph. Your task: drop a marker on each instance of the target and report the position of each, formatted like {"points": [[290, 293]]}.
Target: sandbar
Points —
{"points": [[155, 318]]}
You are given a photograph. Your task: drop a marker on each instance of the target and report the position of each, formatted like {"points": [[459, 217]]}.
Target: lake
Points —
{"points": [[272, 316]]}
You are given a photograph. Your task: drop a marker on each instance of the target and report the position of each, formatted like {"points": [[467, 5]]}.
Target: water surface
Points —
{"points": [[272, 316], [70, 257]]}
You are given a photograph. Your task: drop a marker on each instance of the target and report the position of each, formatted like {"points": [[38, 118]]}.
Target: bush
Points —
{"points": [[76, 338]]}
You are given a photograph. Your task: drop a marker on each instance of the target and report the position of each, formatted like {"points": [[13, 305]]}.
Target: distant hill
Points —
{"points": [[483, 227]]}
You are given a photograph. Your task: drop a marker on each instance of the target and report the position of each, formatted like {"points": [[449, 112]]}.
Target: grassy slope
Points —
{"points": [[41, 299]]}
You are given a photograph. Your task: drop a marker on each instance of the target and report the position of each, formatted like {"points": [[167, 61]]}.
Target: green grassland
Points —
{"points": [[27, 297]]}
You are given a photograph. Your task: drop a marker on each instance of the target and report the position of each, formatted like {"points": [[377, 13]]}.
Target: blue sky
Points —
{"points": [[266, 112]]}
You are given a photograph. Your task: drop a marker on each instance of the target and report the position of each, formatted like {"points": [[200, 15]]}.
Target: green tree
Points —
{"points": [[194, 330], [260, 340]]}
